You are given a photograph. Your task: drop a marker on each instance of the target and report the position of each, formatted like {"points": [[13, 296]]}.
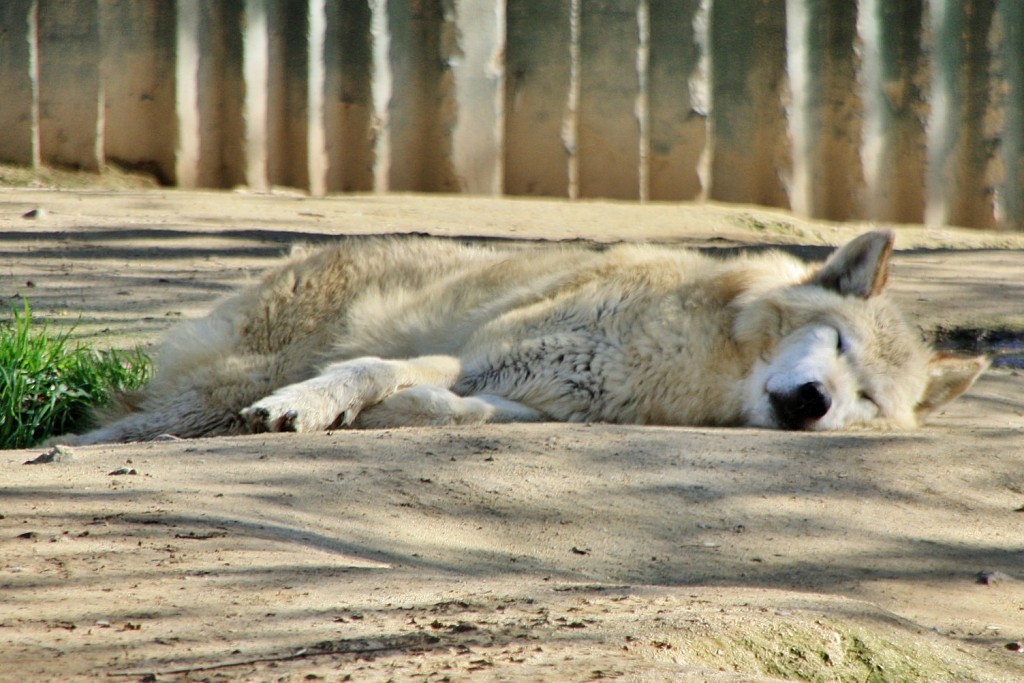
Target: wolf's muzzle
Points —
{"points": [[799, 408]]}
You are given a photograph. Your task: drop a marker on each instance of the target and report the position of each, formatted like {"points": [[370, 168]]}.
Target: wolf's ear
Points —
{"points": [[860, 267], [948, 377]]}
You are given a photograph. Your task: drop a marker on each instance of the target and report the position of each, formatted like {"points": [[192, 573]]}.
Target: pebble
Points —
{"points": [[55, 454], [990, 578]]}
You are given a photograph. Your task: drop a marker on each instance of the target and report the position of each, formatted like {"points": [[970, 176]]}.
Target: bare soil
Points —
{"points": [[537, 552]]}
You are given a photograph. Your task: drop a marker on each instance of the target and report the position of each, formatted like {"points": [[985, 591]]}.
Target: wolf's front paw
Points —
{"points": [[291, 410], [258, 419]]}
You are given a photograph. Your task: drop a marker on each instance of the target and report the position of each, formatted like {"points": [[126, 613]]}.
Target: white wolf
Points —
{"points": [[386, 332]]}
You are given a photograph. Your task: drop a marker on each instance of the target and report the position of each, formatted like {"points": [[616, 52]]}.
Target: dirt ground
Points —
{"points": [[504, 553]]}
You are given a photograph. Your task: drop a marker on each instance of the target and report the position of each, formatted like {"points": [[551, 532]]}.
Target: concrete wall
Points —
{"points": [[895, 111]]}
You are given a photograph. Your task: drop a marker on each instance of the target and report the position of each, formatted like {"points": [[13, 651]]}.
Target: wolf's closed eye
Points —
{"points": [[864, 396], [841, 347]]}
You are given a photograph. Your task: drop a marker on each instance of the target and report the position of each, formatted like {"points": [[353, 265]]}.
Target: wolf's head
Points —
{"points": [[834, 352]]}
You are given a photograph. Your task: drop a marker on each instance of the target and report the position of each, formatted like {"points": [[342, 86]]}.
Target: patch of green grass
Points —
{"points": [[109, 177], [48, 386], [826, 651]]}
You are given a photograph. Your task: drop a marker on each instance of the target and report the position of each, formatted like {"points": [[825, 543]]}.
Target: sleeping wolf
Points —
{"points": [[379, 332]]}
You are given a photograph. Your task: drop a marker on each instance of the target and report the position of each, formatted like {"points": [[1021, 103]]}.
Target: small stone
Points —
{"points": [[122, 470], [990, 578], [61, 454], [36, 213]]}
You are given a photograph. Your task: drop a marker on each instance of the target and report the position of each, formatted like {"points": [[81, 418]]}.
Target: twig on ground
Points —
{"points": [[329, 647]]}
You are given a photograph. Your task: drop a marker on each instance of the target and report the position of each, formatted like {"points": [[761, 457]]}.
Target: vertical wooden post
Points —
{"points": [[347, 109], [959, 191], [19, 112], [256, 89], [895, 109], [678, 124], [825, 115], [210, 95], [750, 152], [476, 56], [1010, 190], [538, 78], [381, 88], [186, 92], [317, 162], [288, 91], [138, 73], [609, 134], [222, 136], [413, 98], [70, 90]]}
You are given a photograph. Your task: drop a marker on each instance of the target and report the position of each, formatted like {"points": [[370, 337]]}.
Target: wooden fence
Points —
{"points": [[909, 111]]}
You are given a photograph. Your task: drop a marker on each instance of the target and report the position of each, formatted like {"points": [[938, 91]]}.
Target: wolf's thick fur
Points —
{"points": [[392, 332]]}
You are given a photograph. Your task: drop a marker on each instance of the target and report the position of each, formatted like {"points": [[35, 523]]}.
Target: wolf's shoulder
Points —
{"points": [[756, 269]]}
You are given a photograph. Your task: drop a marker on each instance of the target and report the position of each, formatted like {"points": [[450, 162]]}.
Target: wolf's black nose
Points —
{"points": [[798, 408]]}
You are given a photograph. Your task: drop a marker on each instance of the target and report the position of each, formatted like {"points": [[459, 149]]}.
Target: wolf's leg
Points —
{"points": [[339, 393], [429, 405], [185, 415], [186, 402]]}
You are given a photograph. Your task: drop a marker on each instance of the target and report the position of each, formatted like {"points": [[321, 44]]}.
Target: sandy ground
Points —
{"points": [[539, 552]]}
